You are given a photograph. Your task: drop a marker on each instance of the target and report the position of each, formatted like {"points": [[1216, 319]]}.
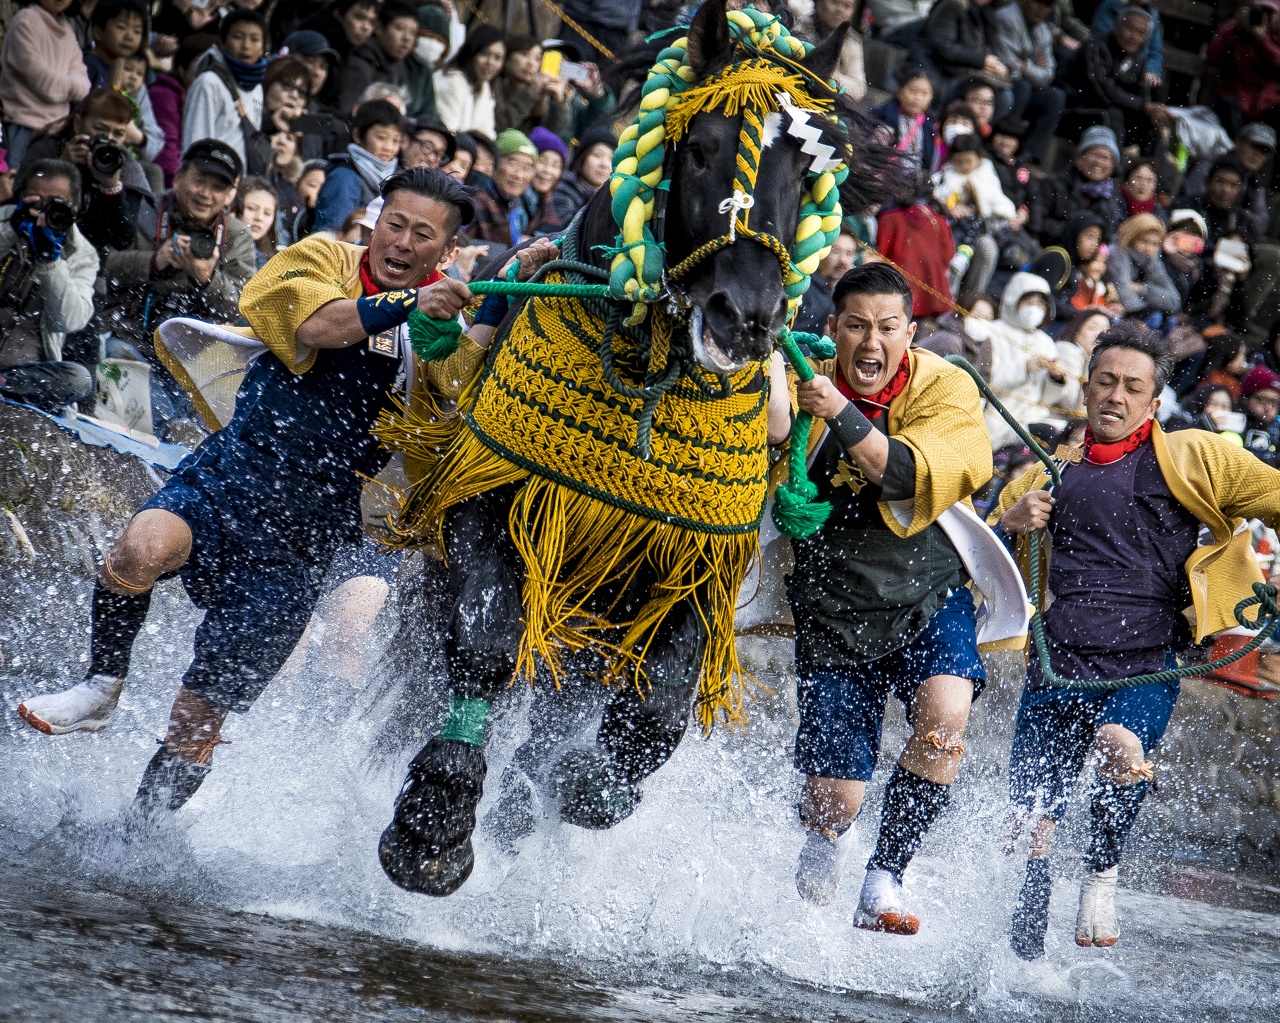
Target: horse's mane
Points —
{"points": [[875, 177]]}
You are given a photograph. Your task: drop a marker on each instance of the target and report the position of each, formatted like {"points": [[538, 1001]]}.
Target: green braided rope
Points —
{"points": [[638, 259], [1264, 596], [795, 512]]}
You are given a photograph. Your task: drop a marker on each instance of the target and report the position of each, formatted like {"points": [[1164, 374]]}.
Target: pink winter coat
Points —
{"points": [[167, 96], [41, 70]]}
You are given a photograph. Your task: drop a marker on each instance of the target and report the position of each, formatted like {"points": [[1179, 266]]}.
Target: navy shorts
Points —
{"points": [[1054, 735], [842, 709], [257, 604]]}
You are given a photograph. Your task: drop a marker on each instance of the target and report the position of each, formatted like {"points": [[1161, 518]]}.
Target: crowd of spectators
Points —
{"points": [[157, 152]]}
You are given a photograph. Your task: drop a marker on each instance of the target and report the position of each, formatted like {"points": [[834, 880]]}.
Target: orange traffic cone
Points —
{"points": [[1242, 676]]}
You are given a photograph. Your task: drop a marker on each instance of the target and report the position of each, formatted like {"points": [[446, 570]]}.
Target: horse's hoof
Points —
{"points": [[427, 846], [593, 792], [411, 866]]}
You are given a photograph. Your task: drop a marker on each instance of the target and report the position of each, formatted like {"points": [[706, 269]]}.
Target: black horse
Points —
{"points": [[737, 298]]}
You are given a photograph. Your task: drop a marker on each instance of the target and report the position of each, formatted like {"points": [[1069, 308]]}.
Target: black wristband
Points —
{"points": [[850, 426]]}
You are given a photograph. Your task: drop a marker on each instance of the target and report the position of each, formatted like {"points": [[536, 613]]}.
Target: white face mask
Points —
{"points": [[428, 50], [953, 131], [1030, 316]]}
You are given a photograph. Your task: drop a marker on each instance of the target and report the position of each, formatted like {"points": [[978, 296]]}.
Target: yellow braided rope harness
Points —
{"points": [[633, 464]]}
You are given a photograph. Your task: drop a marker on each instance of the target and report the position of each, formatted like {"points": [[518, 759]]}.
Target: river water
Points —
{"points": [[263, 900]]}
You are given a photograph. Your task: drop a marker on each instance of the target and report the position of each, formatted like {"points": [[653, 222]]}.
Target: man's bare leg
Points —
{"points": [[154, 543]]}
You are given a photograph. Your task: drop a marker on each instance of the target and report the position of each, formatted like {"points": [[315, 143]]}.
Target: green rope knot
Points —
{"points": [[433, 340], [795, 512], [466, 721]]}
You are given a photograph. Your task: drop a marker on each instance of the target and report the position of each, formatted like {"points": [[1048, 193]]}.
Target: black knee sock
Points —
{"points": [[1031, 914], [115, 624], [1112, 811], [168, 782], [911, 805]]}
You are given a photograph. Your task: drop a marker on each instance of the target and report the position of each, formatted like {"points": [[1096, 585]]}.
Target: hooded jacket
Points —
{"points": [[1024, 391]]}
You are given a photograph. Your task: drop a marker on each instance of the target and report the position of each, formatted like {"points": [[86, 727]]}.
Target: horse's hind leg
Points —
{"points": [[639, 730], [427, 846]]}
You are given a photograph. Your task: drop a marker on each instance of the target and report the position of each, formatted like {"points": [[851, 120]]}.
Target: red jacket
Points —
{"points": [[919, 241], [167, 96], [1248, 68]]}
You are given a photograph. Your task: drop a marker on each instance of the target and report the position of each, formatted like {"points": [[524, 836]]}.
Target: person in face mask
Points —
{"points": [[1024, 360], [428, 56]]}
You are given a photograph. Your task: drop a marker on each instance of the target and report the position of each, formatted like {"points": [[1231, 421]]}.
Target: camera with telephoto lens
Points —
{"points": [[202, 243], [59, 214], [105, 156]]}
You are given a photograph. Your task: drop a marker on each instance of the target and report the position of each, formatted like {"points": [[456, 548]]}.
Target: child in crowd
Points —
{"points": [[310, 184], [1142, 283], [957, 120], [41, 74], [968, 190], [255, 207], [906, 123], [914, 236], [117, 59]]}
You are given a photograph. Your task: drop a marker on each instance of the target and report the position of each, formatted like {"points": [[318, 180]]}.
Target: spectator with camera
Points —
{"points": [[119, 30], [113, 186], [188, 258], [47, 273]]}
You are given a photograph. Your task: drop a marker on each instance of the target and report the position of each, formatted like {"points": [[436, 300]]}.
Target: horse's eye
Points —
{"points": [[697, 158]]}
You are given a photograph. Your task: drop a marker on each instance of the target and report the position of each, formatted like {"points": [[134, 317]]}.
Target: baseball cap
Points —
{"points": [[1261, 135], [429, 122], [308, 43], [215, 157], [511, 142]]}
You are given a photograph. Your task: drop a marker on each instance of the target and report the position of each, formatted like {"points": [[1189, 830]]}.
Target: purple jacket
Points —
{"points": [[167, 96]]}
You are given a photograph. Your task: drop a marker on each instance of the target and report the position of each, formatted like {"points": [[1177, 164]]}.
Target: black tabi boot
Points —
{"points": [[1031, 913], [167, 784]]}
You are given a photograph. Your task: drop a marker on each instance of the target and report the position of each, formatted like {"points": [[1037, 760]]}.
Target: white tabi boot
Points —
{"points": [[882, 906], [821, 866], [86, 707], [1096, 922]]}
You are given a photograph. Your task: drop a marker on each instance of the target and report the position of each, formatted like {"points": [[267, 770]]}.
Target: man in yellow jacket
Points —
{"points": [[879, 594], [1125, 563], [253, 518]]}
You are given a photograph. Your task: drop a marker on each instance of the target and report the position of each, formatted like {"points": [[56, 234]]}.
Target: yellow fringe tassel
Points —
{"points": [[754, 84], [575, 550]]}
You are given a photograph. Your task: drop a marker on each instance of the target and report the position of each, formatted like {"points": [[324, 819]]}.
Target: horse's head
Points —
{"points": [[736, 292]]}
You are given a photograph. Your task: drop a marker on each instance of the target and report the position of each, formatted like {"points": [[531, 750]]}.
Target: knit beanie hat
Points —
{"points": [[544, 140], [1099, 135], [432, 18], [1135, 227], [1260, 378], [511, 142]]}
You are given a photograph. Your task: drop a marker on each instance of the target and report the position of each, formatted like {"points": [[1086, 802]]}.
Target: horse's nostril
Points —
{"points": [[721, 316]]}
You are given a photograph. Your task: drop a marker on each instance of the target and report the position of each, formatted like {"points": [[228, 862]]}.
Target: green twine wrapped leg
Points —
{"points": [[795, 512]]}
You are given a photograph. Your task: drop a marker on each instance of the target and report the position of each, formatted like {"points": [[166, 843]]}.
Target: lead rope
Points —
{"points": [[1266, 621]]}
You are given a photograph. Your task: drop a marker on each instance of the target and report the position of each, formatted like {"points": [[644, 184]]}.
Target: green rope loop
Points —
{"points": [[795, 512], [1267, 620]]}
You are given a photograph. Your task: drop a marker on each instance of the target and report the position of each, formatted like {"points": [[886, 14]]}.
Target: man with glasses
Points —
{"points": [[428, 143]]}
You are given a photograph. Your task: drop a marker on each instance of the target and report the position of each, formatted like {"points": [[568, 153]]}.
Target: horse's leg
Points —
{"points": [[639, 730], [427, 846]]}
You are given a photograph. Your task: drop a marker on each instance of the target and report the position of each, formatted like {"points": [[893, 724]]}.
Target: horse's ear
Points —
{"points": [[822, 59], [709, 43]]}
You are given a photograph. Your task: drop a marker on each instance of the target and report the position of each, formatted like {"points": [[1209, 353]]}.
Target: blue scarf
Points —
{"points": [[369, 167], [247, 76], [1098, 189]]}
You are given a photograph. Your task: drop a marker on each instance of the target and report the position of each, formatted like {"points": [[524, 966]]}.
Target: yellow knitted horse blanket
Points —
{"points": [[593, 514]]}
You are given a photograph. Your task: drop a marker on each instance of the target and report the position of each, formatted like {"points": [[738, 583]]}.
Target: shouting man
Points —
{"points": [[879, 594], [252, 520], [1125, 562]]}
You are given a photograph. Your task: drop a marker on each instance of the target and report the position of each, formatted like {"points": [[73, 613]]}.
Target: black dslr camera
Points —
{"points": [[105, 156], [203, 243]]}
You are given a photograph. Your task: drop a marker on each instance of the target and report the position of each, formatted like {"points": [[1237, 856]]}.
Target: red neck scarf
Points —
{"points": [[1105, 454], [371, 286], [1136, 206], [873, 405]]}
